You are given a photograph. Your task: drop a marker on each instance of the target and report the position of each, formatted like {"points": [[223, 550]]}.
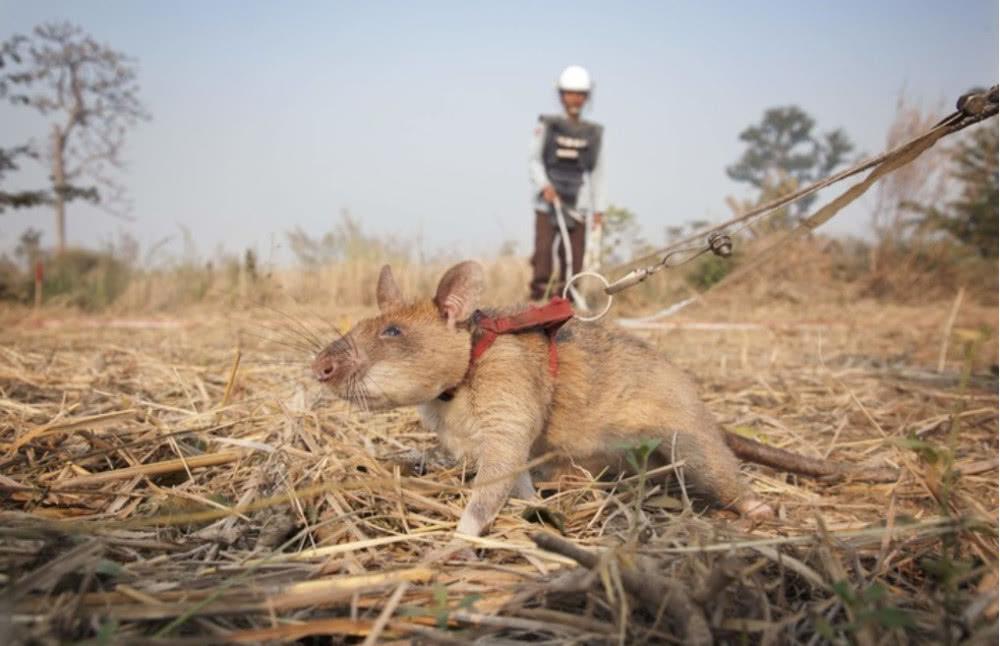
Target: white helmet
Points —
{"points": [[575, 79]]}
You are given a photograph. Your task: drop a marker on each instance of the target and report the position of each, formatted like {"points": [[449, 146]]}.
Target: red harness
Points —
{"points": [[549, 318]]}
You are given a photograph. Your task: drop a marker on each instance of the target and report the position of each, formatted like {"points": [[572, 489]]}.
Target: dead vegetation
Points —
{"points": [[183, 481]]}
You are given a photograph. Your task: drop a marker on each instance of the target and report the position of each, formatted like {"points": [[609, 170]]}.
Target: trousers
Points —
{"points": [[546, 231]]}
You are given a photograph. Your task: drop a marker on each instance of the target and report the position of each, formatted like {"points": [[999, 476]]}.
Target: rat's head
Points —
{"points": [[411, 352]]}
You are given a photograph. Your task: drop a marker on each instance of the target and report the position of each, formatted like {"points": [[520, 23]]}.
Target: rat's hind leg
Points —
{"points": [[713, 470]]}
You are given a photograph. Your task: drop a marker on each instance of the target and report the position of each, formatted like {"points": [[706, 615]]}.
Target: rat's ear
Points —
{"points": [[387, 293], [459, 291]]}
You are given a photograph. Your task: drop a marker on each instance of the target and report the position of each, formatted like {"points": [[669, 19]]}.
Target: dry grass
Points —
{"points": [[183, 480], [347, 283]]}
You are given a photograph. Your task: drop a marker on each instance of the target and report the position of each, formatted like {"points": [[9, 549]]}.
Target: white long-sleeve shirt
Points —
{"points": [[593, 195]]}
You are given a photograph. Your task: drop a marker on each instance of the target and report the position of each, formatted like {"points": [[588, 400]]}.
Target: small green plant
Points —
{"points": [[440, 609], [106, 635], [868, 608], [948, 570], [637, 455]]}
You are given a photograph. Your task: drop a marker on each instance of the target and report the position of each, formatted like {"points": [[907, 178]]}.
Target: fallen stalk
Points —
{"points": [[638, 578]]}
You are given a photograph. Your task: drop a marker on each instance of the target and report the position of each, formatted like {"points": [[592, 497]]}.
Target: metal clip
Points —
{"points": [[720, 244], [634, 277]]}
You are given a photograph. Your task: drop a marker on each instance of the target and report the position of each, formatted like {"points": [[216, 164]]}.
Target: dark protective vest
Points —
{"points": [[570, 150]]}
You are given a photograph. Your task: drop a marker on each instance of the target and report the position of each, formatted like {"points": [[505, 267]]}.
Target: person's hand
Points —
{"points": [[598, 219], [549, 194]]}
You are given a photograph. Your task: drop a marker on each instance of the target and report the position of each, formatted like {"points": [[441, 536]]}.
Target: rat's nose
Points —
{"points": [[323, 367]]}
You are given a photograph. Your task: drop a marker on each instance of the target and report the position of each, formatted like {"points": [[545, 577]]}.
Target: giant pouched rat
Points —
{"points": [[508, 406]]}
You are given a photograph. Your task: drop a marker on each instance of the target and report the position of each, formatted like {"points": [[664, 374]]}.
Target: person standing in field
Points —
{"points": [[565, 159]]}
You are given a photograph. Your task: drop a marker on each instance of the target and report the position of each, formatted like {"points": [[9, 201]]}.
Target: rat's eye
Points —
{"points": [[392, 330]]}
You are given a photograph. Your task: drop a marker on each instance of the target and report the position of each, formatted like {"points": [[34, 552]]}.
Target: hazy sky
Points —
{"points": [[417, 116]]}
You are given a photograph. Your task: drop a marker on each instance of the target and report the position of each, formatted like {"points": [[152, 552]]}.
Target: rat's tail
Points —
{"points": [[770, 456]]}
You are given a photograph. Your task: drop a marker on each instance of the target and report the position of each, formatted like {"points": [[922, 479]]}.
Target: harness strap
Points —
{"points": [[549, 318]]}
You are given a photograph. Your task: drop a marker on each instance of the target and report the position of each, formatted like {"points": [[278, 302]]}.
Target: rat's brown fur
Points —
{"points": [[612, 391]]}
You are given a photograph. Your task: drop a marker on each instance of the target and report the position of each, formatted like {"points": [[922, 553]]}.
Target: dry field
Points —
{"points": [[181, 480]]}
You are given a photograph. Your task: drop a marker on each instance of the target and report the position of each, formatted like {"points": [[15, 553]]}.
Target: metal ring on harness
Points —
{"points": [[572, 279]]}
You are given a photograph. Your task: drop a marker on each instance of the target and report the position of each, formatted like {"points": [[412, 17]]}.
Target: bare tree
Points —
{"points": [[91, 92]]}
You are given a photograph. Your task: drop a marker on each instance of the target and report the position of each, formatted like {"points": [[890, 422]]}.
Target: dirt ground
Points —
{"points": [[183, 479]]}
